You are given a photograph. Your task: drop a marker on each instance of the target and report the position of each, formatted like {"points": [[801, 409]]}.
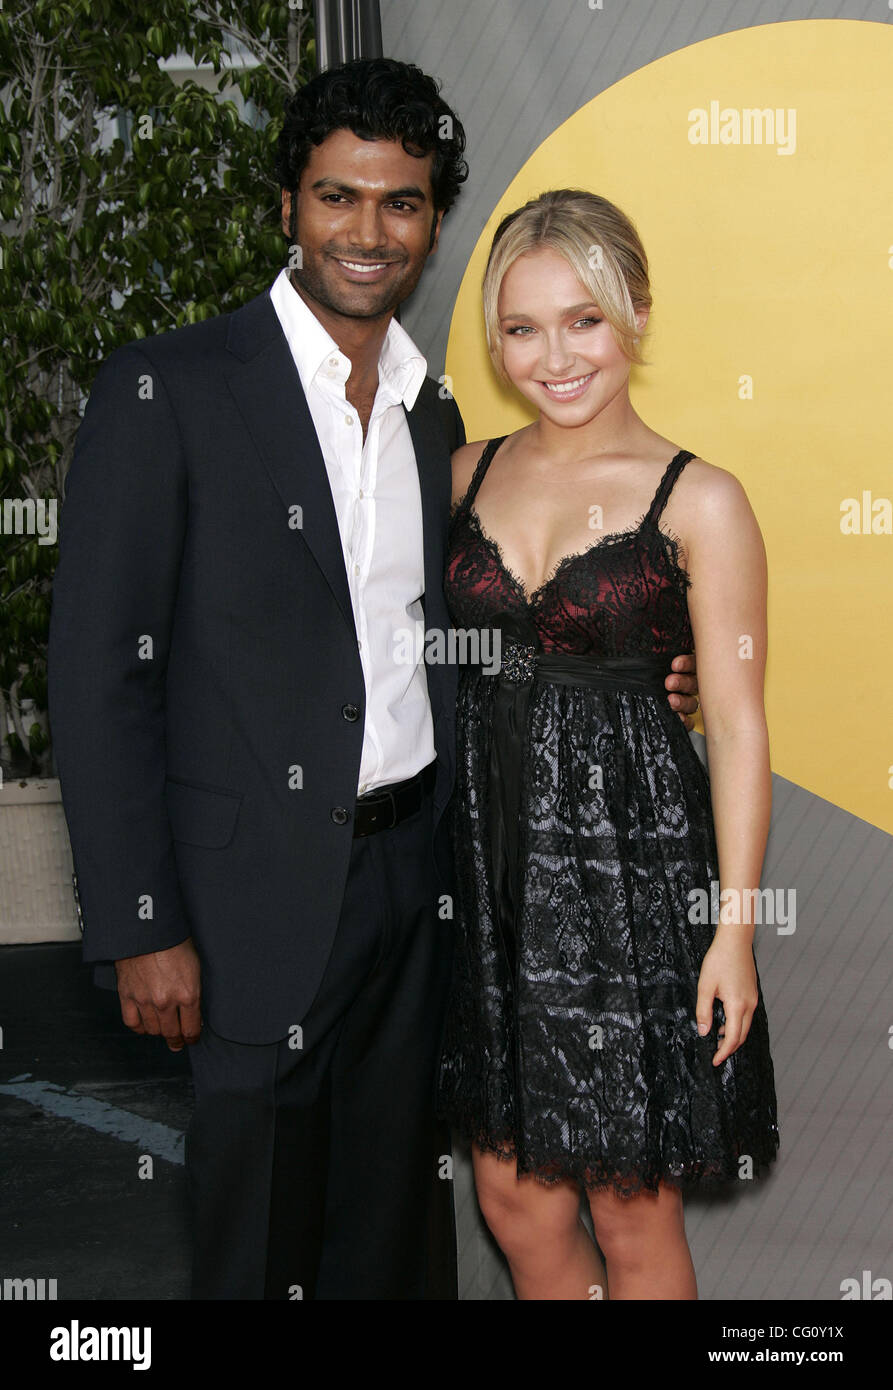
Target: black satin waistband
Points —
{"points": [[521, 663], [608, 673]]}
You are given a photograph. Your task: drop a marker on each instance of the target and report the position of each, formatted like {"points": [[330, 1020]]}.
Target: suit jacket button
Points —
{"points": [[340, 815], [350, 712]]}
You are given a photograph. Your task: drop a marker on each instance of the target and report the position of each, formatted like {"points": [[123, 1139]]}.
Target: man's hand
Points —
{"points": [[160, 993], [684, 678]]}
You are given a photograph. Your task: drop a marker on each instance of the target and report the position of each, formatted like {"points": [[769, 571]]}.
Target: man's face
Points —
{"points": [[364, 214]]}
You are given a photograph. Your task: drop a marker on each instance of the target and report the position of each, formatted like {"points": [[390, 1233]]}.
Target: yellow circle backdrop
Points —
{"points": [[774, 267]]}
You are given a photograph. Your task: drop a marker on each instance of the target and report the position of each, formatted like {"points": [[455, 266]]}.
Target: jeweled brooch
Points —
{"points": [[518, 662]]}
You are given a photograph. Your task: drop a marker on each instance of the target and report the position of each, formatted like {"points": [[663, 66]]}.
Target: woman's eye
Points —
{"points": [[525, 328]]}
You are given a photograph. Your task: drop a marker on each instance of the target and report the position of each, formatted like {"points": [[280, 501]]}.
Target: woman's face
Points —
{"points": [[557, 349]]}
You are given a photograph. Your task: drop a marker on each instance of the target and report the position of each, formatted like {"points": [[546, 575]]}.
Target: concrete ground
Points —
{"points": [[85, 1107]]}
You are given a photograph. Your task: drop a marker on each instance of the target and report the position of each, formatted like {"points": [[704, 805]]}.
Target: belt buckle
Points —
{"points": [[393, 804], [378, 810]]}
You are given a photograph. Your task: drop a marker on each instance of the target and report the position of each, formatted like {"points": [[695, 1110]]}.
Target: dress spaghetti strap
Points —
{"points": [[477, 476], [666, 485]]}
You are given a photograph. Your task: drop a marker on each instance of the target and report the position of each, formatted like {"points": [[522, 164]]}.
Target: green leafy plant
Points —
{"points": [[134, 198]]}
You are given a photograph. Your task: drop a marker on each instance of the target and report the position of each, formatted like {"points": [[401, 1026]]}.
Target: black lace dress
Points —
{"points": [[581, 824]]}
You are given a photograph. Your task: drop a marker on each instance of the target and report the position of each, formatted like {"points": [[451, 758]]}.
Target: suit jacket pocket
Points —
{"points": [[200, 815]]}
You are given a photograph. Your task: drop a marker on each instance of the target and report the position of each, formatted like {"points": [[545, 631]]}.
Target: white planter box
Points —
{"points": [[36, 893]]}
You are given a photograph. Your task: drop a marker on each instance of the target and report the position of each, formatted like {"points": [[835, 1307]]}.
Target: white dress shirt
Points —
{"points": [[375, 488]]}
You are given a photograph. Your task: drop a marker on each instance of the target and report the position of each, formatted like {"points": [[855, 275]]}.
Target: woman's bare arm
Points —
{"points": [[727, 605]]}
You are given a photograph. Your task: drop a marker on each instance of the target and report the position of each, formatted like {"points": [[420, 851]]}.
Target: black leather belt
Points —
{"points": [[386, 807]]}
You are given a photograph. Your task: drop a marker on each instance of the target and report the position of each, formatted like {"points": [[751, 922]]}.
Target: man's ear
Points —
{"points": [[288, 210], [435, 232]]}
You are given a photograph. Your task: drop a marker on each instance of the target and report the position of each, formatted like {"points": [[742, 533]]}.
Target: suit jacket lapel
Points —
{"points": [[270, 397], [433, 460], [432, 463]]}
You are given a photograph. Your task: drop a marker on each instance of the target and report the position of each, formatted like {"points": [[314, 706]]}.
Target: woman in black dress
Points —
{"points": [[606, 1030]]}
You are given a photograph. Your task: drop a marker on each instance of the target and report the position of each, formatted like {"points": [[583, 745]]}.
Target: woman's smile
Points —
{"points": [[570, 389]]}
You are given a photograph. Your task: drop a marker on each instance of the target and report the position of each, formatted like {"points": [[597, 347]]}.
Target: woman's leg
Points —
{"points": [[538, 1229], [643, 1242]]}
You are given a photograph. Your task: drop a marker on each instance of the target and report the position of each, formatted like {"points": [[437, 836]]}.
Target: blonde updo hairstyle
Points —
{"points": [[599, 243]]}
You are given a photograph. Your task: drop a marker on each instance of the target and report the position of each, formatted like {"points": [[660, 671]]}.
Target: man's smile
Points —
{"points": [[364, 270]]}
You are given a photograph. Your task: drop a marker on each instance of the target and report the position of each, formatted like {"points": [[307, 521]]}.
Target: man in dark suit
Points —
{"points": [[254, 783]]}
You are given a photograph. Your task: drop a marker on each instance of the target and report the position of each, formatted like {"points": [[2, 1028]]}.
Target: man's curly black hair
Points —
{"points": [[377, 99]]}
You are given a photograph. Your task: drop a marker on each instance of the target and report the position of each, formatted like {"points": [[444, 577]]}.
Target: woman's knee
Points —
{"points": [[627, 1227], [522, 1214]]}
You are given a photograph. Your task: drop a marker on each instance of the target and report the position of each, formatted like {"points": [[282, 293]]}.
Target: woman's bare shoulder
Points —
{"points": [[710, 490], [464, 462], [707, 506]]}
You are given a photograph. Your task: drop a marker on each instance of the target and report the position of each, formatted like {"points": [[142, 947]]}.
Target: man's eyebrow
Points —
{"points": [[409, 191], [574, 309]]}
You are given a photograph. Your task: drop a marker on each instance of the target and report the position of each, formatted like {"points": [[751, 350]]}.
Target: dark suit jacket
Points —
{"points": [[205, 687]]}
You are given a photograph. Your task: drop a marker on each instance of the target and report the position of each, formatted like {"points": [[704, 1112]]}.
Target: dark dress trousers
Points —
{"points": [[207, 710]]}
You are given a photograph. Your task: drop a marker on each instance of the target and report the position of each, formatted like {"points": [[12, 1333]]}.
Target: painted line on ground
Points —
{"points": [[98, 1115]]}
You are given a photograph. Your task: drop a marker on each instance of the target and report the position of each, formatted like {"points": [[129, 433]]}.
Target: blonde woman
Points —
{"points": [[606, 1031]]}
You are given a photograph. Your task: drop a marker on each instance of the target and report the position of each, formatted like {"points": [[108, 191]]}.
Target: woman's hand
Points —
{"points": [[728, 973]]}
